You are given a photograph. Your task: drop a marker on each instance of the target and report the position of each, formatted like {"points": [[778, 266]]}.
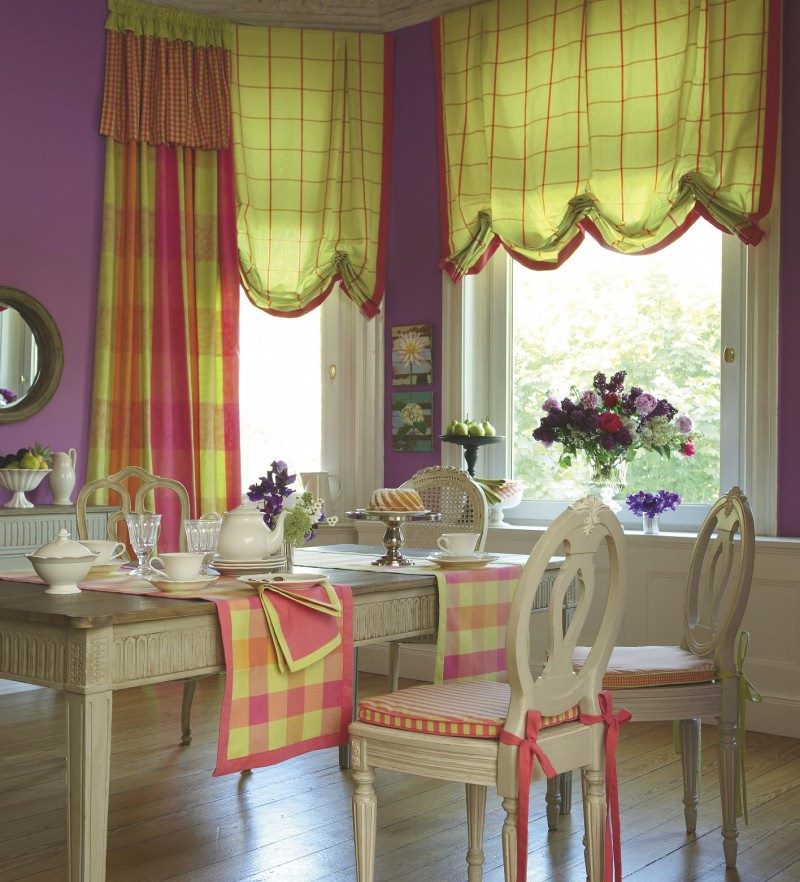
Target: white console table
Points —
{"points": [[23, 530]]}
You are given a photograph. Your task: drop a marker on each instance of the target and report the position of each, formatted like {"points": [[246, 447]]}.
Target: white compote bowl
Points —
{"points": [[19, 482]]}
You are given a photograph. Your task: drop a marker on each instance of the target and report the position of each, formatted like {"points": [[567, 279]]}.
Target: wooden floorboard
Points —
{"points": [[171, 821]]}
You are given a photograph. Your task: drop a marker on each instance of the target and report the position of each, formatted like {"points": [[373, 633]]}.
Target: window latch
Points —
{"points": [[729, 355]]}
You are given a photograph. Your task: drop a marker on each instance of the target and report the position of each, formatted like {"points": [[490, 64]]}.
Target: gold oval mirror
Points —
{"points": [[31, 355]]}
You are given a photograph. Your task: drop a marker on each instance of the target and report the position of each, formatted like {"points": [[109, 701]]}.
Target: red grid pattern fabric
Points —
{"points": [[311, 133], [161, 91], [622, 119]]}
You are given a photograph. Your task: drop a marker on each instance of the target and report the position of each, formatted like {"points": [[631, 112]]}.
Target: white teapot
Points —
{"points": [[245, 536]]}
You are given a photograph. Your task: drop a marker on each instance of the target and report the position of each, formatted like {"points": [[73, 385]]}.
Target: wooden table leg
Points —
{"points": [[88, 763], [344, 750]]}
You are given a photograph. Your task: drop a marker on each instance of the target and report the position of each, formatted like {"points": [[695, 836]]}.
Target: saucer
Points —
{"points": [[290, 580], [109, 569], [243, 567], [170, 587], [463, 561]]}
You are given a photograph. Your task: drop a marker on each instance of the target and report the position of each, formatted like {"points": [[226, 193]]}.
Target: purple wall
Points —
{"points": [[789, 308], [413, 281], [51, 190]]}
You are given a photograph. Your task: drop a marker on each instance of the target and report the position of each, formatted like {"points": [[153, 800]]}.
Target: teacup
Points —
{"points": [[179, 566], [458, 544], [108, 551]]}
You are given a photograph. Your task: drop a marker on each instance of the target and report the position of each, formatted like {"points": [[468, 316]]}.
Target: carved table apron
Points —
{"points": [[89, 644]]}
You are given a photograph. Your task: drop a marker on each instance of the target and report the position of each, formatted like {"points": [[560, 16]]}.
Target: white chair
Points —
{"points": [[462, 505], [479, 732], [145, 483], [700, 678]]}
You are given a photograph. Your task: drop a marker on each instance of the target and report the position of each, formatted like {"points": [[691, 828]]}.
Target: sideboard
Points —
{"points": [[23, 530]]}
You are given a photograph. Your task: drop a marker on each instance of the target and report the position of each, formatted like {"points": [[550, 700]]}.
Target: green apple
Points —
{"points": [[476, 429], [488, 429], [29, 461], [460, 429]]}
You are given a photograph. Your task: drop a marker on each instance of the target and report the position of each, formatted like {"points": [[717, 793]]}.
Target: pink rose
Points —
{"points": [[589, 399], [645, 403], [550, 404], [684, 424], [687, 448]]}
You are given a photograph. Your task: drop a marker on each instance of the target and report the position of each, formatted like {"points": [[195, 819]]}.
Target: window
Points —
{"points": [[663, 317], [311, 393]]}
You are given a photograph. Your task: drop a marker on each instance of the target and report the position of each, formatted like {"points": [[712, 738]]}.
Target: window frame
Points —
{"points": [[478, 370]]}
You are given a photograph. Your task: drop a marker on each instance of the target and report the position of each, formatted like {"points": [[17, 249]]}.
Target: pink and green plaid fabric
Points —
{"points": [[624, 120], [268, 715], [167, 78], [473, 614]]}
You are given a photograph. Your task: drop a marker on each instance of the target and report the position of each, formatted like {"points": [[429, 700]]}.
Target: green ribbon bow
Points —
{"points": [[747, 692]]}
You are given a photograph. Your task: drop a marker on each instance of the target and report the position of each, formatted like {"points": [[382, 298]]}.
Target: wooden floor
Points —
{"points": [[170, 820]]}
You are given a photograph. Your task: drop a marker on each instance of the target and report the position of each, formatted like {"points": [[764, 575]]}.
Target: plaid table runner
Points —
{"points": [[268, 714], [473, 612]]}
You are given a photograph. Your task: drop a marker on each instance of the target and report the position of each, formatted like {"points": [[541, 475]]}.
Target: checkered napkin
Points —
{"points": [[473, 613]]}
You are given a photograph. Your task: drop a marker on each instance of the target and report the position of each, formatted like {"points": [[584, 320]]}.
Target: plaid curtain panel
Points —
{"points": [[167, 78], [166, 351], [311, 135], [622, 119]]}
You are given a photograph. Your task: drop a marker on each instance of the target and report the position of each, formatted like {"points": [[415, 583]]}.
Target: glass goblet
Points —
{"points": [[202, 534], [143, 530]]}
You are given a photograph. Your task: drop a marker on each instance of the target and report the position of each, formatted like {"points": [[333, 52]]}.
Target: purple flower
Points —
{"points": [[609, 441], [556, 419], [550, 403], [589, 399], [270, 491], [591, 420], [576, 417], [652, 504], [567, 405], [544, 435], [625, 437], [645, 403], [684, 424], [617, 381], [663, 409], [599, 382], [8, 396]]}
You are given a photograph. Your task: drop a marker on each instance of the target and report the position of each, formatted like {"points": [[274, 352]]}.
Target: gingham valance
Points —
{"points": [[627, 120], [167, 77], [311, 142]]}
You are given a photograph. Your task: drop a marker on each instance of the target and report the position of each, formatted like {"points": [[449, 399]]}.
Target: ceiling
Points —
{"points": [[353, 15]]}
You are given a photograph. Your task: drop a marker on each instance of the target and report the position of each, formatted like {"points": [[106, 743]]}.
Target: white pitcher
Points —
{"points": [[319, 484], [62, 477]]}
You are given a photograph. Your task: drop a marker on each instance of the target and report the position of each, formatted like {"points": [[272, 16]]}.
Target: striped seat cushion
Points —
{"points": [[633, 667], [468, 710]]}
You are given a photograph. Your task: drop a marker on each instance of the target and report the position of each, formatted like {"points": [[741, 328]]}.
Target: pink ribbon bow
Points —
{"points": [[613, 836], [528, 749]]}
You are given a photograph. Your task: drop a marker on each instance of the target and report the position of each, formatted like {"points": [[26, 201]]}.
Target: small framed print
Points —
{"points": [[412, 421], [412, 355]]}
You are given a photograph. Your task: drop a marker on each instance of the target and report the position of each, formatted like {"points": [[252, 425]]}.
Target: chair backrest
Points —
{"points": [[143, 499], [720, 573], [581, 530], [457, 497]]}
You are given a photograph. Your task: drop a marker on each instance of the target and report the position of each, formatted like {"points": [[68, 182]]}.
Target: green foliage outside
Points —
{"points": [[657, 317]]}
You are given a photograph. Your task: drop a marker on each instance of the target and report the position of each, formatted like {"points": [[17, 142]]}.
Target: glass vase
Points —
{"points": [[609, 479], [288, 551], [650, 524]]}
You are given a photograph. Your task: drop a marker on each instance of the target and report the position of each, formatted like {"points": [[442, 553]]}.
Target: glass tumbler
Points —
{"points": [[143, 530], [202, 534]]}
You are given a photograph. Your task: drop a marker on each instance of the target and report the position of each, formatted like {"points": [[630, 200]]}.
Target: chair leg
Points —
{"points": [[189, 687], [510, 840], [565, 785], [394, 666], [476, 813], [553, 802], [594, 821], [365, 817], [690, 759], [727, 758]]}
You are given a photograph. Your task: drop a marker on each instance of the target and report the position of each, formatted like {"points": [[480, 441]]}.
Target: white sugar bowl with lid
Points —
{"points": [[62, 563]]}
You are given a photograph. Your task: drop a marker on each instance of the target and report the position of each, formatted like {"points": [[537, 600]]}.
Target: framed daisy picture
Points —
{"points": [[412, 355]]}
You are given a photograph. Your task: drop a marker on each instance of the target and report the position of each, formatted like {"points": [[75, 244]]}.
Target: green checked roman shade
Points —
{"points": [[627, 120], [311, 151]]}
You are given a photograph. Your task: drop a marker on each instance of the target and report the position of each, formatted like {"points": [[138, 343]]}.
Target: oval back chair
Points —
{"points": [[460, 501], [472, 731], [702, 677]]}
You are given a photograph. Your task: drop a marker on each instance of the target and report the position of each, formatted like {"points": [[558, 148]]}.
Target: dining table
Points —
{"points": [[89, 645]]}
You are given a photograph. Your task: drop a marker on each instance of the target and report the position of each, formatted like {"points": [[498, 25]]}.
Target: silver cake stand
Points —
{"points": [[393, 537]]}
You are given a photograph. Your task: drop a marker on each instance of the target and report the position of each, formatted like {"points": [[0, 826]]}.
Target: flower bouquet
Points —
{"points": [[609, 425], [651, 505], [272, 490], [306, 513]]}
